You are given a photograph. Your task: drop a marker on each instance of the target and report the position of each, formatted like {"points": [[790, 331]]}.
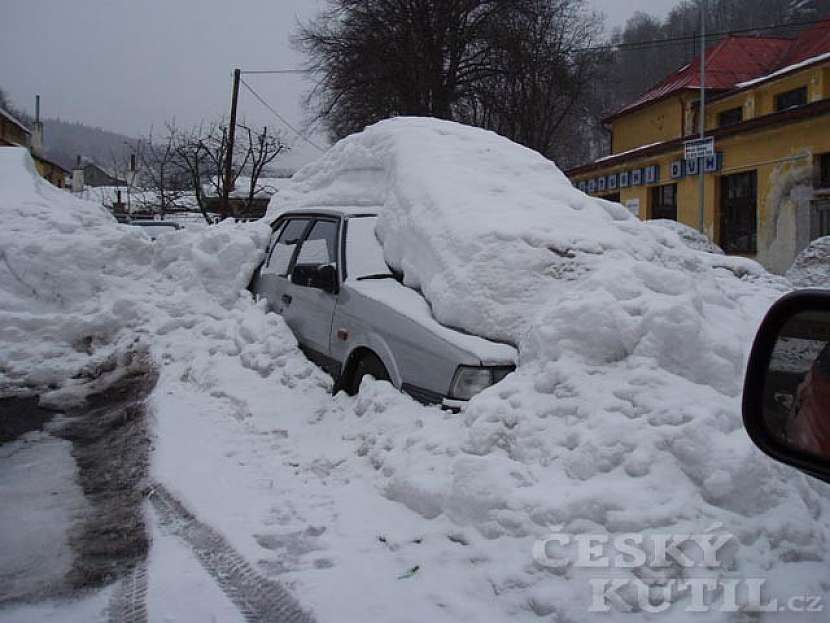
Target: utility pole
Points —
{"points": [[702, 207], [226, 190]]}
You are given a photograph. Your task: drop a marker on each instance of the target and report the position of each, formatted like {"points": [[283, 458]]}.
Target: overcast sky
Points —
{"points": [[125, 65]]}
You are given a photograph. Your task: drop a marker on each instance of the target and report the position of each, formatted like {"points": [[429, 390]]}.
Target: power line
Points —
{"points": [[636, 45], [279, 116], [277, 71]]}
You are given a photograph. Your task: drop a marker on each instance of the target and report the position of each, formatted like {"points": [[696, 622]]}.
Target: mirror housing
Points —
{"points": [[787, 378], [322, 277]]}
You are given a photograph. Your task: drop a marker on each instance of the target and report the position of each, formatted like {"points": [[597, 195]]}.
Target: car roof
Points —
{"points": [[155, 224], [344, 211]]}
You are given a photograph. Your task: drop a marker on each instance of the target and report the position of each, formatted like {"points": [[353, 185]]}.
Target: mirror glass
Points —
{"points": [[797, 386]]}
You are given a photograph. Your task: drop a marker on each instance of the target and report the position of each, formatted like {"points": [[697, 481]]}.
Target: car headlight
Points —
{"points": [[469, 380]]}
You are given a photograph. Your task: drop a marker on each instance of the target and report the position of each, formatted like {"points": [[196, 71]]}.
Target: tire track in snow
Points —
{"points": [[259, 599], [129, 599]]}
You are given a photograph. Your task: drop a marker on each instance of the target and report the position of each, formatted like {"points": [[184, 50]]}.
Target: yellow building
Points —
{"points": [[767, 188], [14, 134]]}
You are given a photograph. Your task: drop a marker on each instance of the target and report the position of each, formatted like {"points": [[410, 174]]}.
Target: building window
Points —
{"points": [[820, 219], [664, 202], [739, 213], [824, 171], [791, 99], [733, 116]]}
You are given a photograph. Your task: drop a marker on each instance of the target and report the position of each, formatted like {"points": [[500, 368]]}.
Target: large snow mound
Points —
{"points": [[811, 268], [502, 245], [624, 413], [77, 289]]}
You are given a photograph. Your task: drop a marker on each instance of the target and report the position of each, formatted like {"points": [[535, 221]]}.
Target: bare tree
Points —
{"points": [[260, 151], [540, 73], [202, 152], [379, 58], [162, 172], [507, 65]]}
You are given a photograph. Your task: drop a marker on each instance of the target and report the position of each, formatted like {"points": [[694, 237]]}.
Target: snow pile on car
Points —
{"points": [[811, 268], [624, 414], [690, 236]]}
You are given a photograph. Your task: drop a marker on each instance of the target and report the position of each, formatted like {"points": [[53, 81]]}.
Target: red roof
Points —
{"points": [[810, 43], [737, 59]]}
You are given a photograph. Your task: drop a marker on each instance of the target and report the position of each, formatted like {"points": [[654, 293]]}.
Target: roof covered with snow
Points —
{"points": [[739, 61]]}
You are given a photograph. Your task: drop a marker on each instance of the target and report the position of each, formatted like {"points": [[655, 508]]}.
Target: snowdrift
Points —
{"points": [[78, 290], [624, 413]]}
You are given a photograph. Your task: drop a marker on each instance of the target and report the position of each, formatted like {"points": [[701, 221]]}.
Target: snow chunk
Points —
{"points": [[811, 269], [691, 237], [76, 287]]}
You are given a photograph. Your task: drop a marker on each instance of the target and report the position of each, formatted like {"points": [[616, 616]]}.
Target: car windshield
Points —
{"points": [[364, 255]]}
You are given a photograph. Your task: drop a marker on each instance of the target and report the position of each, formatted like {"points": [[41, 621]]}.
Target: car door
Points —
{"points": [[273, 276], [309, 310]]}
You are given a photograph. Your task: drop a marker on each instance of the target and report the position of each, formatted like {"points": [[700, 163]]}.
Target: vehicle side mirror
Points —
{"points": [[314, 276], [786, 401]]}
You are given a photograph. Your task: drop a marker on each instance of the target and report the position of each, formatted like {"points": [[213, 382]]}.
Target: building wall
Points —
{"points": [[760, 100], [659, 122], [11, 134], [50, 172], [784, 158]]}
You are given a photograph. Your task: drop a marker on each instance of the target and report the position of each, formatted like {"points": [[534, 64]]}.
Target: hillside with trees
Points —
{"points": [[65, 140]]}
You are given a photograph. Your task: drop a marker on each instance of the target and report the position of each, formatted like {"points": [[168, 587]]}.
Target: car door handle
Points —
{"points": [[286, 298]]}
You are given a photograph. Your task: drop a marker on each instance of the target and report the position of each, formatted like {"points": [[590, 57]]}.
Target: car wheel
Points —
{"points": [[368, 364]]}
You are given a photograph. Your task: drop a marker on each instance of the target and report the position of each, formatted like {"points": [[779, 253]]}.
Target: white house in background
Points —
{"points": [[241, 207]]}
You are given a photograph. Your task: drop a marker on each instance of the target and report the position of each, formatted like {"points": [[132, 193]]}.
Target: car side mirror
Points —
{"points": [[314, 276], [786, 401]]}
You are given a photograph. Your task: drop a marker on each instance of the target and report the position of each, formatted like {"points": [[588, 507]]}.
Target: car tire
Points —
{"points": [[369, 364]]}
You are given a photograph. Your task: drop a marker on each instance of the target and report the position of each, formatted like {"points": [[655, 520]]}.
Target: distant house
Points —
{"points": [[14, 134], [241, 205], [96, 175], [50, 170]]}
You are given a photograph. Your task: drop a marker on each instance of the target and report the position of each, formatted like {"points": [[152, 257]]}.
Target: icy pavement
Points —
{"points": [[38, 474]]}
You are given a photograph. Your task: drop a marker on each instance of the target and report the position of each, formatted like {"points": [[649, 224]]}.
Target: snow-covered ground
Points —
{"points": [[622, 417]]}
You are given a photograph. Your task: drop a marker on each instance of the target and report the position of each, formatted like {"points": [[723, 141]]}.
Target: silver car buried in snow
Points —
{"points": [[324, 272]]}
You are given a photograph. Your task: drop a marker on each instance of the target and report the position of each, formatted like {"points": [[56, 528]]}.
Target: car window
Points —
{"points": [[320, 246], [364, 255], [280, 257], [272, 242]]}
